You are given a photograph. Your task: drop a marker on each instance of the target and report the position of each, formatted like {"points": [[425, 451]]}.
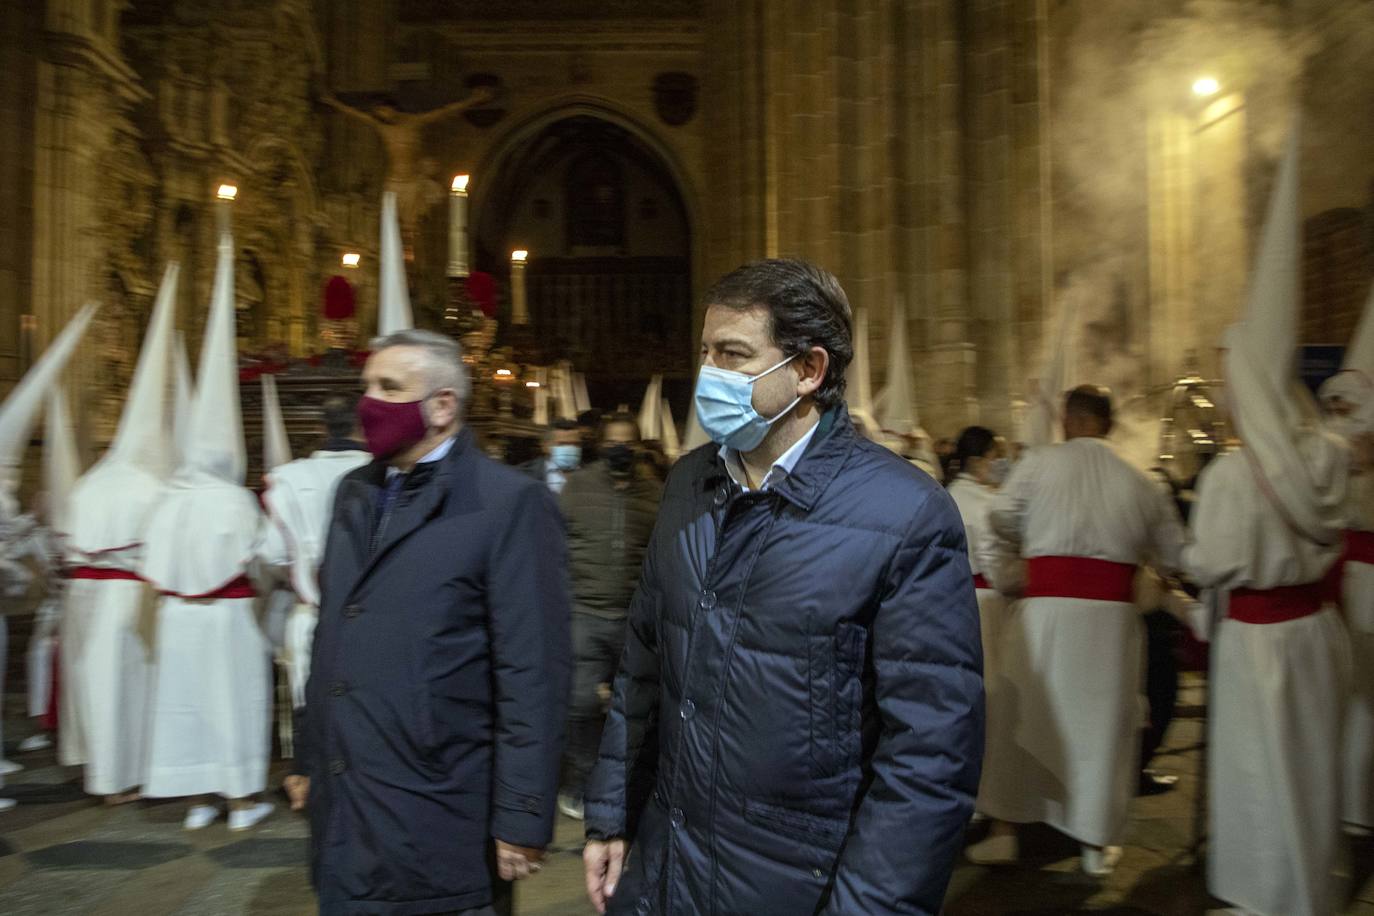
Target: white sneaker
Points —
{"points": [[38, 742], [1003, 849], [571, 806], [198, 817], [9, 767], [247, 818], [1099, 863], [7, 803]]}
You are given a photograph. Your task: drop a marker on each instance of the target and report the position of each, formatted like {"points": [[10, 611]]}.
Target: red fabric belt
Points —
{"points": [[242, 587], [1359, 547], [979, 581], [1080, 577], [102, 572], [1275, 605]]}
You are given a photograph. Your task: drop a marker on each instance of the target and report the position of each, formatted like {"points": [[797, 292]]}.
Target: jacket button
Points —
{"points": [[707, 601], [689, 709], [722, 494], [642, 908], [678, 818], [532, 806], [336, 767], [338, 689], [352, 610]]}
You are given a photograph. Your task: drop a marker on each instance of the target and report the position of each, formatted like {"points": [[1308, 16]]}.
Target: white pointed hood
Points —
{"points": [[393, 295], [276, 445], [859, 377], [184, 392], [1355, 382], [650, 419], [215, 444], [110, 504], [1300, 468], [201, 534], [143, 439], [1045, 411], [897, 412], [19, 412], [671, 446], [61, 465]]}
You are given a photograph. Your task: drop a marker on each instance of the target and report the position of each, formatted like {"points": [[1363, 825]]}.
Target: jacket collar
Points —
{"points": [[830, 446]]}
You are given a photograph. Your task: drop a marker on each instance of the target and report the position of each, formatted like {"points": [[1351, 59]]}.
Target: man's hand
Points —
{"points": [[297, 789], [516, 862], [603, 862]]}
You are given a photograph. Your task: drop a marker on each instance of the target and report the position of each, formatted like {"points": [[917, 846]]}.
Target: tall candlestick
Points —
{"points": [[519, 310], [458, 227]]}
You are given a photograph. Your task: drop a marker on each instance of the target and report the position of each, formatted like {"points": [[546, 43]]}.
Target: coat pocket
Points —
{"points": [[851, 645], [810, 829]]}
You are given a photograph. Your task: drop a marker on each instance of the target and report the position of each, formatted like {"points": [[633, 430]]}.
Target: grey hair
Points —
{"points": [[444, 357]]}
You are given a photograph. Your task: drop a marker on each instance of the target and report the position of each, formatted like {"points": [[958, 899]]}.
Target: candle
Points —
{"points": [[519, 311], [458, 227]]}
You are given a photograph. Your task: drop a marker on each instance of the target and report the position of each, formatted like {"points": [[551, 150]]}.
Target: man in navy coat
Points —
{"points": [[438, 693]]}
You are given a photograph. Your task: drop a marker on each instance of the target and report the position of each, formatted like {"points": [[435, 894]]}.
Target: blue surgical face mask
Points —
{"points": [[566, 457], [725, 407]]}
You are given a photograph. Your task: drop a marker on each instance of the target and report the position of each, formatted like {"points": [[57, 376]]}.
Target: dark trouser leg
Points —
{"points": [[597, 644], [1161, 681]]}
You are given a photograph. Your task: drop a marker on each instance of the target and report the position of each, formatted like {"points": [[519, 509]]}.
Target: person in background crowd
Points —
{"points": [[609, 507], [563, 451]]}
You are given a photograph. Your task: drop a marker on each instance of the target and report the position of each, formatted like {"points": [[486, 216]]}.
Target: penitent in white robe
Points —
{"points": [[1070, 679], [103, 644], [974, 501], [300, 502], [1357, 602], [211, 709], [1277, 701]]}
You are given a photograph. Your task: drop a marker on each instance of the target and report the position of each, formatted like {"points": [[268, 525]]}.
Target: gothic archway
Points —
{"points": [[606, 219]]}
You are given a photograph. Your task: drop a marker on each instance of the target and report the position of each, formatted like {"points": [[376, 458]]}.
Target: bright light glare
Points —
{"points": [[1205, 86], [460, 182], [351, 259], [227, 192], [519, 254], [504, 373]]}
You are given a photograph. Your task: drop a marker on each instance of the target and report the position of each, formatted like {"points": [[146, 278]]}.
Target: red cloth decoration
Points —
{"points": [[482, 291], [340, 303]]}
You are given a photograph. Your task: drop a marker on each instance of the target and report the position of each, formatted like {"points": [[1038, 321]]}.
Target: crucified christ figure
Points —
{"points": [[401, 133]]}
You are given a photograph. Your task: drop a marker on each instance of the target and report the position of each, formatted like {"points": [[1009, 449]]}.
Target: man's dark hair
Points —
{"points": [[340, 416], [621, 417], [1091, 402], [589, 419], [807, 308]]}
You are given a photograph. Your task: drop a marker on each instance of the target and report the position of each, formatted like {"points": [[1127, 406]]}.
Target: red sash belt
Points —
{"points": [[102, 572], [1359, 547], [1275, 605], [980, 581], [242, 587], [1080, 577]]}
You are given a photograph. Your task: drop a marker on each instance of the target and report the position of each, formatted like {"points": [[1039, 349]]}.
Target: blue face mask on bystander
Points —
{"points": [[566, 457]]}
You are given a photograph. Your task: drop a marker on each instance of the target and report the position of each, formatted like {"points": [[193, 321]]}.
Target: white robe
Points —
{"points": [[212, 696], [1357, 598], [105, 658], [300, 502], [974, 501], [1274, 719], [1071, 671]]}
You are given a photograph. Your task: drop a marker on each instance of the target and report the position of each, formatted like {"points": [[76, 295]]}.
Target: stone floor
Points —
{"points": [[62, 853]]}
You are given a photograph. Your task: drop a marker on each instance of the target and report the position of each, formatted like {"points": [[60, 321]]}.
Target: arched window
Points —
{"points": [[595, 192]]}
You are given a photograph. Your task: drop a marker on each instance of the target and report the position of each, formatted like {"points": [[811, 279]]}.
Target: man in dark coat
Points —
{"points": [[804, 640], [438, 693]]}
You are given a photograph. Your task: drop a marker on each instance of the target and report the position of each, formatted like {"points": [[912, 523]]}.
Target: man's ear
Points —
{"points": [[814, 364]]}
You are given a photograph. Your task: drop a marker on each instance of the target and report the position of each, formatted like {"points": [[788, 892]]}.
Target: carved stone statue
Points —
{"points": [[401, 133]]}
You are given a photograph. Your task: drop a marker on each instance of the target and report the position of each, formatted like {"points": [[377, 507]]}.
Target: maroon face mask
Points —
{"points": [[390, 427]]}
